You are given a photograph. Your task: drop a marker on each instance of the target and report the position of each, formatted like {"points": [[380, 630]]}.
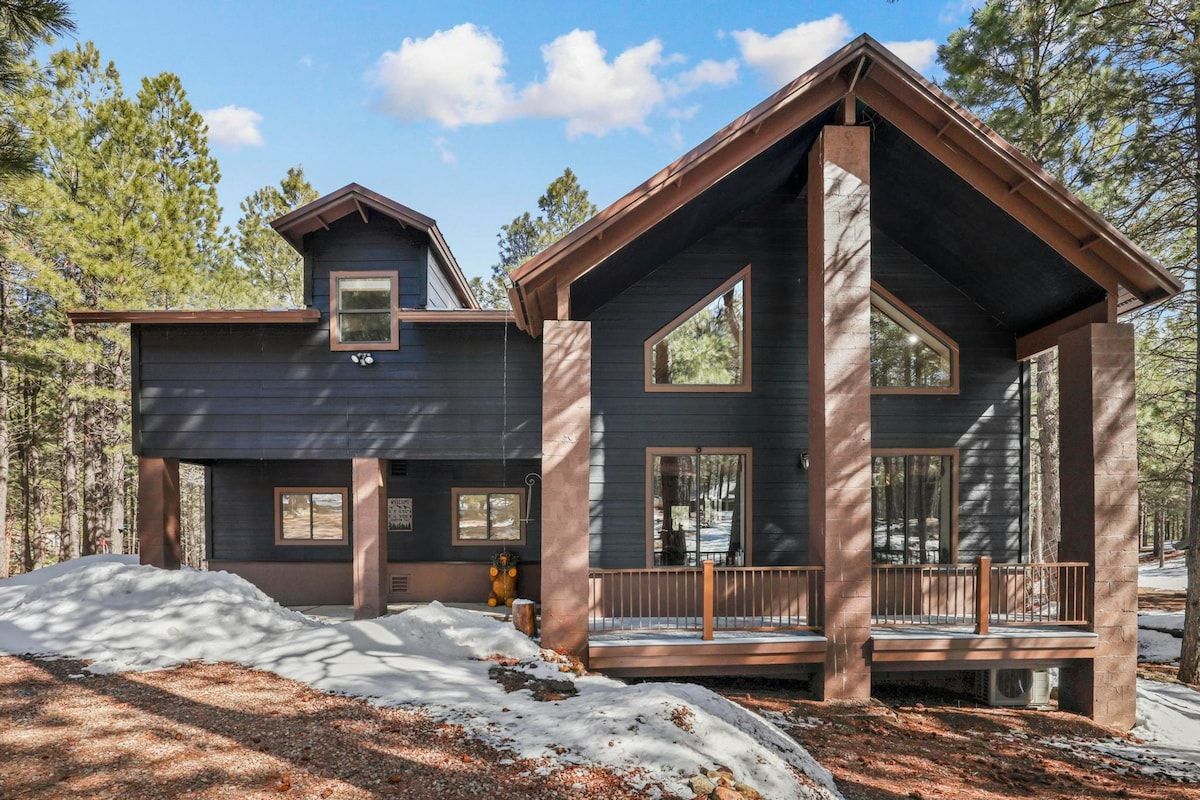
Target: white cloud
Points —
{"points": [[706, 73], [788, 54], [918, 54], [444, 152], [234, 127], [455, 77], [458, 77], [305, 61], [593, 95]]}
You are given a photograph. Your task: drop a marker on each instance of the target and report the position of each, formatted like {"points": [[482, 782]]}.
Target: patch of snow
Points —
{"points": [[1173, 576], [124, 616], [1158, 647]]}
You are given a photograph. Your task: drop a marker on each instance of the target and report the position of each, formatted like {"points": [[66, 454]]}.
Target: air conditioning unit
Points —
{"points": [[1013, 687]]}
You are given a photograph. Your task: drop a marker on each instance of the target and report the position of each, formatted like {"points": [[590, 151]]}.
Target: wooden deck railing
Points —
{"points": [[981, 594], [706, 600]]}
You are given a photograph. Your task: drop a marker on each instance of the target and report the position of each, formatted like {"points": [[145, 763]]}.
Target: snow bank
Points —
{"points": [[124, 616]]}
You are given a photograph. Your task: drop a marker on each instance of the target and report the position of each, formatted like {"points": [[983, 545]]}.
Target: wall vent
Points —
{"points": [[399, 469], [399, 584]]}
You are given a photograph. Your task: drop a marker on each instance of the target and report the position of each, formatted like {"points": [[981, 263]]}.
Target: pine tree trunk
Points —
{"points": [[1049, 506], [5, 547], [70, 457], [34, 540], [93, 520], [115, 448], [1189, 658]]}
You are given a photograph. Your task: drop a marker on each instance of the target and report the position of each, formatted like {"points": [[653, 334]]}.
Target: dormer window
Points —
{"points": [[362, 311], [908, 354]]}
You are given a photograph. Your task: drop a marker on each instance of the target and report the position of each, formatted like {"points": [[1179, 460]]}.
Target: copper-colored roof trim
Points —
{"points": [[454, 315], [1109, 256], [355, 199], [181, 317]]}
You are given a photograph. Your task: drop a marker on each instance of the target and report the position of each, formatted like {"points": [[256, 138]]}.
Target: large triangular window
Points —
{"points": [[707, 347], [908, 354]]}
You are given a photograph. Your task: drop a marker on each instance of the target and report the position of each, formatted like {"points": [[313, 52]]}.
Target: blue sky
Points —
{"points": [[466, 111]]}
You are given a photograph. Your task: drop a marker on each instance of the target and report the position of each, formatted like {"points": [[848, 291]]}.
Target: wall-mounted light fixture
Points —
{"points": [[363, 359], [803, 461]]}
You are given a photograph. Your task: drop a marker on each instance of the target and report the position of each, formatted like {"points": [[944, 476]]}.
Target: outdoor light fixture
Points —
{"points": [[803, 461], [363, 359]]}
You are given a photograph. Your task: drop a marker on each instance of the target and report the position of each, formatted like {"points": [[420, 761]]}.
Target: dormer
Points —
{"points": [[366, 259]]}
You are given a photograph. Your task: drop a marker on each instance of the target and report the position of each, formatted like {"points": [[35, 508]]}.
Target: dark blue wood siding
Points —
{"points": [[263, 392], [242, 526], [440, 292], [984, 421], [771, 420]]}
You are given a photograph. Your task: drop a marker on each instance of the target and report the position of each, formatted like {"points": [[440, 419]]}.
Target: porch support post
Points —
{"points": [[370, 538], [158, 512], [839, 415], [566, 442], [1098, 447]]}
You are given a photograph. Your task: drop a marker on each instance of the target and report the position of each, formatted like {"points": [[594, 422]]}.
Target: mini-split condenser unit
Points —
{"points": [[1014, 687]]}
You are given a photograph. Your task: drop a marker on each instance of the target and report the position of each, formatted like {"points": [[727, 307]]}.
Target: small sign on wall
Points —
{"points": [[399, 511]]}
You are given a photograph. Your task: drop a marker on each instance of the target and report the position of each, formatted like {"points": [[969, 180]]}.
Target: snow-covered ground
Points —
{"points": [[1172, 576], [123, 616]]}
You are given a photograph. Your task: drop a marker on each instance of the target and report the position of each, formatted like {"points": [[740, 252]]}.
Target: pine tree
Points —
{"points": [[273, 269], [564, 207]]}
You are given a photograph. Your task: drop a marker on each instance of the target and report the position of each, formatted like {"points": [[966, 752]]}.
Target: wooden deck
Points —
{"points": [[954, 647], [657, 653], [649, 654]]}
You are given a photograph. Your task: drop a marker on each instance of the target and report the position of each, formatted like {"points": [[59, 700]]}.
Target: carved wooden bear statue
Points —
{"points": [[504, 579]]}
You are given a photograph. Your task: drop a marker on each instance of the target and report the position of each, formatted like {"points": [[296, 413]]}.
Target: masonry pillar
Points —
{"points": [[566, 441], [839, 415], [158, 512], [370, 538], [1098, 447]]}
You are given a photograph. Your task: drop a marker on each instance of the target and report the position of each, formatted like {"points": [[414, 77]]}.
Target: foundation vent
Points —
{"points": [[399, 469], [399, 584]]}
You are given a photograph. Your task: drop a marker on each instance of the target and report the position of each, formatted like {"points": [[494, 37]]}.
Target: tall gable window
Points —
{"points": [[362, 311], [707, 347], [908, 354], [698, 506], [914, 515]]}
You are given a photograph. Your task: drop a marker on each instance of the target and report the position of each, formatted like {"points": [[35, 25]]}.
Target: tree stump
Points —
{"points": [[525, 617]]}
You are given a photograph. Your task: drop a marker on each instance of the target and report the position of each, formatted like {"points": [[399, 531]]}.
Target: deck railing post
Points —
{"points": [[708, 600], [983, 594]]}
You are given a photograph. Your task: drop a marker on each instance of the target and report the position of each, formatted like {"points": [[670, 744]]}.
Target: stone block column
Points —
{"points": [[566, 443], [1098, 446], [158, 512], [370, 537], [839, 414]]}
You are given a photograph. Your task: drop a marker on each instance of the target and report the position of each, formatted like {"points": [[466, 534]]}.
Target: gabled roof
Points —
{"points": [[355, 199], [864, 71]]}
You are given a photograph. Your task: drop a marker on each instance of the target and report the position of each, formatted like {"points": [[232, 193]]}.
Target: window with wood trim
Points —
{"points": [[908, 354], [362, 311], [311, 515], [914, 507], [707, 347], [699, 506], [488, 516]]}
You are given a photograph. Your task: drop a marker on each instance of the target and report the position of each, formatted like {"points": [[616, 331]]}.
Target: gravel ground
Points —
{"points": [[222, 731]]}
